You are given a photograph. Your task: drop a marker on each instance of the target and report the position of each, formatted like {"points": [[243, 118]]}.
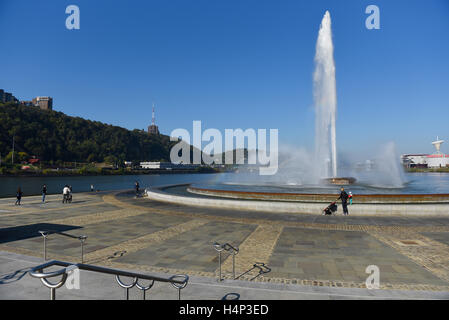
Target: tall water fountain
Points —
{"points": [[325, 95]]}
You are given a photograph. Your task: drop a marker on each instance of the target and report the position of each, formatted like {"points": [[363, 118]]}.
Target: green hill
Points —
{"points": [[54, 136]]}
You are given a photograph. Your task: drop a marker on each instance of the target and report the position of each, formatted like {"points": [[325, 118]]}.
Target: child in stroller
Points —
{"points": [[330, 209]]}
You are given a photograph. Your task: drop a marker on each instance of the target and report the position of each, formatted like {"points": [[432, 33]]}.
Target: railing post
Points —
{"points": [[180, 286], [143, 288], [126, 286], [233, 265], [219, 265], [219, 248], [44, 234], [82, 239]]}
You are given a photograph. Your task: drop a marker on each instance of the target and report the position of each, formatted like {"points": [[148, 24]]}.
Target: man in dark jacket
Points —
{"points": [[44, 192], [137, 187], [344, 201]]}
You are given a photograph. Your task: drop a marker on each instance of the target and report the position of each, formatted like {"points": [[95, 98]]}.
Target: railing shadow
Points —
{"points": [[11, 234], [262, 267], [231, 296], [14, 276]]}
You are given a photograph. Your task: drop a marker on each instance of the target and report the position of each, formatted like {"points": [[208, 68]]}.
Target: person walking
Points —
{"points": [[18, 196], [44, 192], [344, 201], [91, 188], [137, 186], [65, 194]]}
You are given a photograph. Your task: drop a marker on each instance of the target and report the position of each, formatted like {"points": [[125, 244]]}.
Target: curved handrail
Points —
{"points": [[228, 247], [45, 233], [177, 285], [178, 281], [218, 247], [124, 285]]}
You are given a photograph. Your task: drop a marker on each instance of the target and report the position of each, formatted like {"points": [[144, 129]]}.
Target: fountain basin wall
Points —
{"points": [[300, 207], [323, 198]]}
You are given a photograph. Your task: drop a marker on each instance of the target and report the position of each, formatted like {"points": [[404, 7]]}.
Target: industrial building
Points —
{"points": [[434, 160]]}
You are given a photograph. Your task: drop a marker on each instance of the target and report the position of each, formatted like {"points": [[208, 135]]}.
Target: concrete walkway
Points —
{"points": [[303, 252], [16, 283]]}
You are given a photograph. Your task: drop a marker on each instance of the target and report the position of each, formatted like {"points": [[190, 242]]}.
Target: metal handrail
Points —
{"points": [[228, 247], [46, 233], [178, 281]]}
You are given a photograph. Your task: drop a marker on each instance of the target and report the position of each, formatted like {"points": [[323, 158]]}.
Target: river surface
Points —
{"points": [[33, 185], [416, 183]]}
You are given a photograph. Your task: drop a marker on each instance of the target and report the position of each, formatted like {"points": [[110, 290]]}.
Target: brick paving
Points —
{"points": [[123, 232]]}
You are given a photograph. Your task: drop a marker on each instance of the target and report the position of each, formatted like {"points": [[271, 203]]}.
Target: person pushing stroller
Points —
{"points": [[344, 201]]}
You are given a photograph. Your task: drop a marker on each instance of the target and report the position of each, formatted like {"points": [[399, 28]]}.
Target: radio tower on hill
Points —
{"points": [[153, 129]]}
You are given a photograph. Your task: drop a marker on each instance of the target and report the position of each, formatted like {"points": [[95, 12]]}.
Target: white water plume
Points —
{"points": [[325, 96]]}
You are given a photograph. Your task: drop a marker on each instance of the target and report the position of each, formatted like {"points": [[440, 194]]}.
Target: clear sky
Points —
{"points": [[236, 64]]}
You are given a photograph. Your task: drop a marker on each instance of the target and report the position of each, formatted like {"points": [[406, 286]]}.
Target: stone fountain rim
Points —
{"points": [[322, 197]]}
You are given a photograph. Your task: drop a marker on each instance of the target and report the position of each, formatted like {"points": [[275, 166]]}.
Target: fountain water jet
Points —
{"points": [[325, 95]]}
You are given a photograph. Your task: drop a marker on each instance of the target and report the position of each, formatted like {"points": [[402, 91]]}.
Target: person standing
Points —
{"points": [[19, 196], [44, 192], [91, 188], [350, 197], [344, 201], [137, 188]]}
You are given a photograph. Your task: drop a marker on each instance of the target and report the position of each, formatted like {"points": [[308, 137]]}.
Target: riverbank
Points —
{"points": [[439, 170], [100, 172]]}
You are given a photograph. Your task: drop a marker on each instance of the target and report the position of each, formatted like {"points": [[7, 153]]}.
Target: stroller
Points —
{"points": [[330, 209]]}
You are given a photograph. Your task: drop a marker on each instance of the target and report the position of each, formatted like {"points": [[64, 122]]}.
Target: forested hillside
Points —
{"points": [[54, 136]]}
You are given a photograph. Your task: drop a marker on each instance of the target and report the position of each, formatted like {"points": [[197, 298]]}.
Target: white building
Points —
{"points": [[434, 160], [167, 166]]}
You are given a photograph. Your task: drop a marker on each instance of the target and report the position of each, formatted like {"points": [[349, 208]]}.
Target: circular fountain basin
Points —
{"points": [[303, 203], [321, 197]]}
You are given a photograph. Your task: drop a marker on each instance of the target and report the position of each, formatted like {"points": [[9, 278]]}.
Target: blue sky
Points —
{"points": [[236, 64]]}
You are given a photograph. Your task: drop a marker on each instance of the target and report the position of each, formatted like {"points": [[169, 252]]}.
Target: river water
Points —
{"points": [[416, 183], [33, 185]]}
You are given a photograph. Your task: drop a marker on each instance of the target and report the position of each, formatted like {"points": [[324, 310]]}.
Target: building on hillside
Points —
{"points": [[27, 103], [6, 97], [44, 103], [153, 128], [167, 166]]}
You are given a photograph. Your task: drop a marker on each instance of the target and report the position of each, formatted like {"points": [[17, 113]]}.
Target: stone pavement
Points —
{"points": [[303, 252], [15, 284]]}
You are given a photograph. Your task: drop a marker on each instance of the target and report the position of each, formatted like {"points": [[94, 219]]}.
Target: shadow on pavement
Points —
{"points": [[12, 234]]}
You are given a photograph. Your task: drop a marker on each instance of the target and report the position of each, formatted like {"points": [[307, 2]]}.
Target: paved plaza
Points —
{"points": [[300, 251]]}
